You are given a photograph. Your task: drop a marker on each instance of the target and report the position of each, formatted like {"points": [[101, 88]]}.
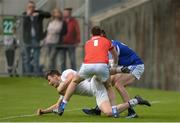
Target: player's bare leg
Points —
{"points": [[106, 108], [111, 96], [110, 92], [72, 86], [69, 92], [120, 81], [122, 91]]}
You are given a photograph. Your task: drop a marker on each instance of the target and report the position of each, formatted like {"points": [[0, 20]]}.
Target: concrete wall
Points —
{"points": [[152, 29], [98, 5]]}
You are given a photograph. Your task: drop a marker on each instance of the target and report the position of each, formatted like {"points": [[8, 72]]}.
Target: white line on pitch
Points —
{"points": [[32, 115], [18, 116], [155, 102]]}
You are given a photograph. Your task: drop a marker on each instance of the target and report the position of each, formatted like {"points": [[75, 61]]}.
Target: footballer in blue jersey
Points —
{"points": [[126, 55], [130, 68]]}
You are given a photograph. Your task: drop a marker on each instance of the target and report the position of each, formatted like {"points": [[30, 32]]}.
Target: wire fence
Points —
{"points": [[11, 29]]}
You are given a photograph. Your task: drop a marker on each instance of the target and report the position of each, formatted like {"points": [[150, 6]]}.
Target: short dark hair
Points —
{"points": [[96, 30], [68, 9], [103, 33], [51, 73], [31, 2]]}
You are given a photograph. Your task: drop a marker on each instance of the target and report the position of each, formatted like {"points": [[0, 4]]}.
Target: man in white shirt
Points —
{"points": [[88, 87]]}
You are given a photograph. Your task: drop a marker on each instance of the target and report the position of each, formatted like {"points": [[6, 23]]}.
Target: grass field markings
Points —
{"points": [[155, 102], [18, 116], [32, 115], [68, 110], [162, 101]]}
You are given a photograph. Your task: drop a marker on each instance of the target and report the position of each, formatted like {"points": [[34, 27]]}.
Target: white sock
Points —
{"points": [[114, 106], [64, 101], [61, 97], [133, 102]]}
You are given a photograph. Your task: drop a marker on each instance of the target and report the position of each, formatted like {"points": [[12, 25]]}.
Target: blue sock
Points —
{"points": [[62, 105], [115, 112]]}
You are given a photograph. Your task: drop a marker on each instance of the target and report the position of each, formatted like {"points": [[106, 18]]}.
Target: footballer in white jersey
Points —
{"points": [[89, 87]]}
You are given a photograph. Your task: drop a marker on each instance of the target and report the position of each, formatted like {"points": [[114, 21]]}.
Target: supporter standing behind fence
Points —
{"points": [[32, 34], [57, 28], [71, 39], [10, 43]]}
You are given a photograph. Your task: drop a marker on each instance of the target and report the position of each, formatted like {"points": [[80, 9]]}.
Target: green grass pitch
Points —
{"points": [[21, 97]]}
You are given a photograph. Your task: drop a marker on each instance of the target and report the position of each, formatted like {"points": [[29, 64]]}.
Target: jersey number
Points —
{"points": [[95, 43], [8, 27]]}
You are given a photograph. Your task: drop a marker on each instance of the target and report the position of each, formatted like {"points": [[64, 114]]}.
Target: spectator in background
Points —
{"points": [[10, 47], [72, 38], [32, 34], [56, 29]]}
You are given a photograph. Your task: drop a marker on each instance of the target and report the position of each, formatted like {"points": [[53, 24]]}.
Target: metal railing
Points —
{"points": [[41, 3], [18, 34]]}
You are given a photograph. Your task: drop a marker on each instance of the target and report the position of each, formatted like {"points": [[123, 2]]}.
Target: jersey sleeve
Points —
{"points": [[63, 77], [65, 74]]}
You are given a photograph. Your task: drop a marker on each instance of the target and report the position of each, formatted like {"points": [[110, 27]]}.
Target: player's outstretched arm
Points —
{"points": [[49, 109]]}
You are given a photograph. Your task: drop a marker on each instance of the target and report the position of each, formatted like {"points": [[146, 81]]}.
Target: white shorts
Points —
{"points": [[137, 70], [90, 87], [100, 70]]}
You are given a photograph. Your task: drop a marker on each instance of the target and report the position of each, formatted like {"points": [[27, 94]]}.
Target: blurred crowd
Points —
{"points": [[59, 40]]}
